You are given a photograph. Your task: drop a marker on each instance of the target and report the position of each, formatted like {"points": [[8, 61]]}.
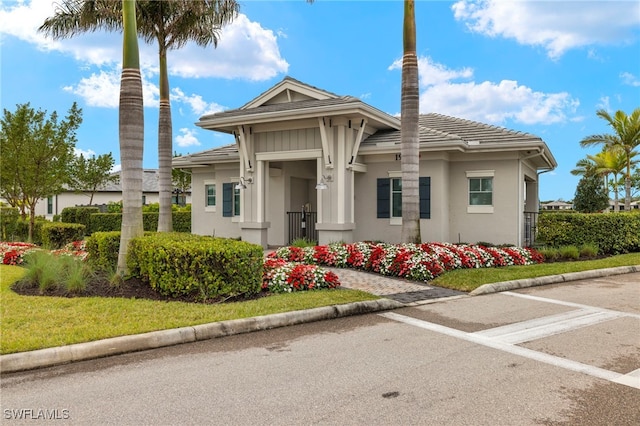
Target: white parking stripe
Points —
{"points": [[537, 328], [567, 364], [564, 303]]}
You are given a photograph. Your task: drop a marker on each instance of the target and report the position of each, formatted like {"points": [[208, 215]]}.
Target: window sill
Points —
{"points": [[395, 221], [210, 209], [479, 209]]}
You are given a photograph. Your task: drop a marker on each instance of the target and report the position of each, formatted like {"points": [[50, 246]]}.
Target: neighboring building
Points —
{"points": [[294, 140], [635, 205], [111, 193], [556, 205]]}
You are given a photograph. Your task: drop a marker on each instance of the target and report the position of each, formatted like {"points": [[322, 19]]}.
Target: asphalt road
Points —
{"points": [[555, 355]]}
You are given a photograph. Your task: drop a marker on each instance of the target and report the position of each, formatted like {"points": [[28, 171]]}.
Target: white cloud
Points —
{"points": [[440, 91], [87, 154], [198, 105], [245, 50], [103, 90], [630, 79], [557, 26], [604, 103], [187, 138]]}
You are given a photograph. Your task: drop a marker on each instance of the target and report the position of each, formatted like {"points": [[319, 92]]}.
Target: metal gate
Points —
{"points": [[530, 228], [299, 228]]}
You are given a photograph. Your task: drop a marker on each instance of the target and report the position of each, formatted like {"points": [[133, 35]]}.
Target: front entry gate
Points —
{"points": [[302, 225]]}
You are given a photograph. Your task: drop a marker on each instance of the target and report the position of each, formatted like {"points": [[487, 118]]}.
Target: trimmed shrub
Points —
{"points": [[8, 222], [56, 235], [612, 232], [22, 230], [80, 215], [177, 264], [106, 222], [103, 250]]}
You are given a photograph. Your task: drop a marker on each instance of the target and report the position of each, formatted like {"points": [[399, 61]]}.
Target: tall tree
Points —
{"points": [[591, 195], [626, 136], [171, 23], [36, 154], [89, 174], [131, 129], [410, 147]]}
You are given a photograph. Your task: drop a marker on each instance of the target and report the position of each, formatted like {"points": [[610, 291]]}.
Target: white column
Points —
{"points": [[319, 171], [260, 187]]}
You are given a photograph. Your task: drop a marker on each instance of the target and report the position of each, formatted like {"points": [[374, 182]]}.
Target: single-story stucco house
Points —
{"points": [[300, 149], [110, 193]]}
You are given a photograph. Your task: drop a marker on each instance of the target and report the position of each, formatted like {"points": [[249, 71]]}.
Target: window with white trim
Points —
{"points": [[480, 190], [210, 195], [396, 197], [236, 200]]}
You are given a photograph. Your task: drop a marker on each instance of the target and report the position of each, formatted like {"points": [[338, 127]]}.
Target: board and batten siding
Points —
{"points": [[288, 140]]}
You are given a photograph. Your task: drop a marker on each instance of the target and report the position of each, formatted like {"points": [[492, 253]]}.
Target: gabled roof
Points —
{"points": [[223, 154], [291, 100], [287, 86]]}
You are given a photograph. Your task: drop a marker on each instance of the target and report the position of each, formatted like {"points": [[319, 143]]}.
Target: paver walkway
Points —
{"points": [[399, 289]]}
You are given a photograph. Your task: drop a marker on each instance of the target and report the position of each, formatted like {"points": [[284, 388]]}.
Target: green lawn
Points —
{"points": [[37, 322], [77, 320], [470, 279]]}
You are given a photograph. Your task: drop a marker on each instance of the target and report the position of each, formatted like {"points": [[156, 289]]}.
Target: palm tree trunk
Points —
{"points": [[165, 148], [131, 129], [410, 103], [627, 184]]}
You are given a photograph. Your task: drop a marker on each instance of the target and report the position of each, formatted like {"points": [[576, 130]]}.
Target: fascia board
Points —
{"points": [[325, 111]]}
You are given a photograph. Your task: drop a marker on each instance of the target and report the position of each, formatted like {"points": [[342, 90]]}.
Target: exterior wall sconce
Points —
{"points": [[322, 185], [243, 183]]}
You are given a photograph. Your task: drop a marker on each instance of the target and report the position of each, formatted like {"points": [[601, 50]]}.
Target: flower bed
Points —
{"points": [[13, 253], [419, 262]]}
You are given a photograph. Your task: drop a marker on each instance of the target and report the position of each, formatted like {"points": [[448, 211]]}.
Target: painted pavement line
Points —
{"points": [[538, 328], [556, 361], [574, 305]]}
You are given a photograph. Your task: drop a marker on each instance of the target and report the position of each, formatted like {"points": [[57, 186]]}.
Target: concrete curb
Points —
{"points": [[552, 279], [22, 361]]}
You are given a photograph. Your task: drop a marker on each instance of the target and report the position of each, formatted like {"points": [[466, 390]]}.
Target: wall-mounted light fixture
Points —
{"points": [[323, 182], [243, 183]]}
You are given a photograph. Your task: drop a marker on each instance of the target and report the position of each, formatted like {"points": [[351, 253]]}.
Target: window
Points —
{"points": [[230, 200], [144, 200], [396, 197], [210, 194], [481, 191], [389, 201], [236, 200], [50, 205]]}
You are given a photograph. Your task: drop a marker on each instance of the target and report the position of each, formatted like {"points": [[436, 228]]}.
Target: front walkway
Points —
{"points": [[399, 289]]}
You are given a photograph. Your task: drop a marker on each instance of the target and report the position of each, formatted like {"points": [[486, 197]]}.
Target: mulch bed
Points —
{"points": [[133, 288]]}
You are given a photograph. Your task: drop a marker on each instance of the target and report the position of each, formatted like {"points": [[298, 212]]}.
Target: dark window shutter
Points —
{"points": [[425, 197], [384, 198], [227, 199]]}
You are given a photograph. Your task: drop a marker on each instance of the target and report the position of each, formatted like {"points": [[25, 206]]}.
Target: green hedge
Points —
{"points": [[611, 232], [103, 248], [105, 222], [8, 222], [80, 215], [56, 235], [179, 264]]}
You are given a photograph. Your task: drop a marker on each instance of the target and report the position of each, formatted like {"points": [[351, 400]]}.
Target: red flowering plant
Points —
{"points": [[76, 249], [12, 253], [281, 276], [420, 262]]}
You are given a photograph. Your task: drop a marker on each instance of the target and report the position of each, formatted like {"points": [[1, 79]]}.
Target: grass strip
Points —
{"points": [[38, 322], [470, 279]]}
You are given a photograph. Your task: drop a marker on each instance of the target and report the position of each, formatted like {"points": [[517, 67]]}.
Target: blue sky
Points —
{"points": [[542, 67]]}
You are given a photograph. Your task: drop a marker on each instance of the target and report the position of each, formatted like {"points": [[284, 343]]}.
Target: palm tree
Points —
{"points": [[131, 125], [409, 112], [171, 24], [626, 137]]}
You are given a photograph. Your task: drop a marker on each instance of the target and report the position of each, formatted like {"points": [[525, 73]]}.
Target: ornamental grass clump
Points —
{"points": [[49, 271]]}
